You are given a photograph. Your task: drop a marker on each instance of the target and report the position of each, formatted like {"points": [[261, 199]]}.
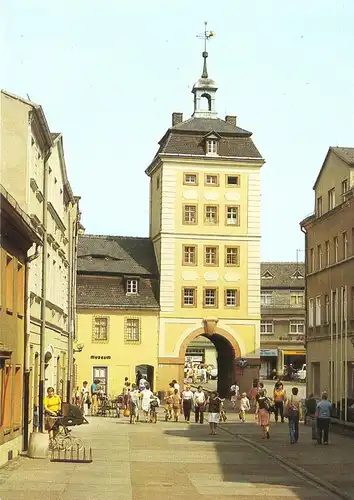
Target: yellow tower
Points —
{"points": [[205, 227]]}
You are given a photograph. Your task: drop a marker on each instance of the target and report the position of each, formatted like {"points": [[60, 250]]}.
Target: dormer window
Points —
{"points": [[211, 147], [132, 287], [267, 275]]}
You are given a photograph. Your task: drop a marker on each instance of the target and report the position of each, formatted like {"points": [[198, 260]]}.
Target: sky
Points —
{"points": [[109, 74]]}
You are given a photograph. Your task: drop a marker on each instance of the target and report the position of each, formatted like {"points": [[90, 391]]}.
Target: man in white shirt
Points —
{"points": [[199, 404], [176, 385]]}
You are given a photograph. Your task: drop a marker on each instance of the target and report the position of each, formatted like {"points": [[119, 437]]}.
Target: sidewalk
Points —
{"points": [[182, 461]]}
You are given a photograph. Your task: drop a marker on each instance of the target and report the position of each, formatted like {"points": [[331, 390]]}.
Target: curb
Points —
{"points": [[285, 462]]}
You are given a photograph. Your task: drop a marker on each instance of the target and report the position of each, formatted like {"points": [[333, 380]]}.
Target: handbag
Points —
{"points": [[126, 412]]}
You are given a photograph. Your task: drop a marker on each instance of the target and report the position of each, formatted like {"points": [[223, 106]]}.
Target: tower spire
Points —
{"points": [[205, 88], [205, 36]]}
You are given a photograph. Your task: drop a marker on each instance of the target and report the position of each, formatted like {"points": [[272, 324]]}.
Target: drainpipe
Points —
{"points": [[306, 307], [26, 364], [44, 293], [71, 308]]}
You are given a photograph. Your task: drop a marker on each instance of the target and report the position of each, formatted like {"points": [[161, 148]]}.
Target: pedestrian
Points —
{"points": [[138, 376], [214, 405], [145, 401], [94, 396], [254, 392], [279, 397], [293, 414], [133, 404], [235, 392], [262, 388], [176, 385], [244, 406], [85, 398], [204, 375], [199, 405], [323, 414], [187, 403], [52, 406], [126, 382], [142, 383], [310, 408], [263, 407], [176, 404]]}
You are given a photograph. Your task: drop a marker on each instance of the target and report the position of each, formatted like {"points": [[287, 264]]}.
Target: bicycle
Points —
{"points": [[63, 440]]}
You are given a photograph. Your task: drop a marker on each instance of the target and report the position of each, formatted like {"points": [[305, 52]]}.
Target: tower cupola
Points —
{"points": [[205, 88]]}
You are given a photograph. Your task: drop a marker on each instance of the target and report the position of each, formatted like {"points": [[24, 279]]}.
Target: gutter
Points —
{"points": [[44, 292], [26, 362], [306, 301]]}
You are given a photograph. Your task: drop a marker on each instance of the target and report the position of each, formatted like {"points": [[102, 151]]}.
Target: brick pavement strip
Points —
{"points": [[138, 462]]}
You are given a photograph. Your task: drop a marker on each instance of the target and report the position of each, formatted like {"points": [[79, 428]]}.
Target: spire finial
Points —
{"points": [[205, 36]]}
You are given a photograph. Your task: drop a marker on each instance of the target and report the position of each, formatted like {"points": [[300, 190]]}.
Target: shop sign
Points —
{"points": [[294, 353], [269, 352], [100, 357], [194, 358]]}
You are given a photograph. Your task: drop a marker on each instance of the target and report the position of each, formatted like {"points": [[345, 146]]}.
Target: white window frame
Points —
{"points": [[231, 297], [210, 297], [132, 330], [190, 179], [299, 299], [211, 147], [318, 310], [331, 198], [209, 177], [210, 211], [267, 302], [328, 253], [294, 325], [132, 287], [319, 257], [232, 216], [345, 186], [310, 313], [211, 256], [267, 327], [190, 214], [187, 296]]}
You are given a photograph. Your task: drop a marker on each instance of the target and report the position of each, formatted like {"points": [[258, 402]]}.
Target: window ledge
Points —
{"points": [[100, 341], [20, 315], [9, 311]]}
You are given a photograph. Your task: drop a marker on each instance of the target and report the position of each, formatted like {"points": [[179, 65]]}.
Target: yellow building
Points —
{"points": [[117, 311], [205, 227]]}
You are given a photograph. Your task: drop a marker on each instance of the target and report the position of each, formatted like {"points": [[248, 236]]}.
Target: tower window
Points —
{"points": [[211, 147], [211, 256], [190, 214], [211, 214], [189, 297], [210, 297], [232, 216], [189, 255], [231, 297], [233, 180], [211, 180], [232, 256], [190, 179]]}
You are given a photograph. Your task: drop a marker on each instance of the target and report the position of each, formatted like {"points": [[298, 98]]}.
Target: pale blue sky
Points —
{"points": [[109, 74]]}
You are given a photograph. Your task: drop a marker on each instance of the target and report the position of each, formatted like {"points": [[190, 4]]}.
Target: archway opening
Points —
{"points": [[205, 102], [215, 354]]}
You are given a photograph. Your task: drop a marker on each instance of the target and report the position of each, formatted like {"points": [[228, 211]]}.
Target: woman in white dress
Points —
{"points": [[145, 401]]}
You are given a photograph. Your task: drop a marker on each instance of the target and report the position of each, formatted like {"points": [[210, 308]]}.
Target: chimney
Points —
{"points": [[177, 118], [231, 119]]}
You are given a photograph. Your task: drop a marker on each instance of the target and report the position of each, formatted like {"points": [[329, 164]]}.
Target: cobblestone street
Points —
{"points": [[182, 461]]}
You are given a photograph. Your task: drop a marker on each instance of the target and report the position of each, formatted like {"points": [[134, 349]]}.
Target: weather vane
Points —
{"points": [[205, 36]]}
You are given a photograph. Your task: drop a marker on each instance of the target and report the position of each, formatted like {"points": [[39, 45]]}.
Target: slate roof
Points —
{"points": [[116, 255], [346, 154], [109, 292], [104, 262], [283, 275], [187, 138]]}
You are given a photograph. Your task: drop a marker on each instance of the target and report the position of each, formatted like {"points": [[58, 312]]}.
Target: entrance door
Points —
{"points": [[101, 373]]}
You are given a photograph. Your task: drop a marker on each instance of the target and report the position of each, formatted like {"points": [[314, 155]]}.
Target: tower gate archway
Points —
{"points": [[227, 350]]}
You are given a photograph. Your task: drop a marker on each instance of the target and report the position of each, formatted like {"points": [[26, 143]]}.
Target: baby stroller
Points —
{"points": [[72, 415]]}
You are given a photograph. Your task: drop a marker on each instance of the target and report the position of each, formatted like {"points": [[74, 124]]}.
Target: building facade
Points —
{"points": [[329, 237], [16, 237], [33, 171], [205, 227], [282, 317], [117, 311]]}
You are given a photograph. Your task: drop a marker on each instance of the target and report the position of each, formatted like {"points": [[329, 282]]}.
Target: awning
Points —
{"points": [[294, 353]]}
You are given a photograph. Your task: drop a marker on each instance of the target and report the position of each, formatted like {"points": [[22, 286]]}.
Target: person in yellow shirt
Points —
{"points": [[52, 405]]}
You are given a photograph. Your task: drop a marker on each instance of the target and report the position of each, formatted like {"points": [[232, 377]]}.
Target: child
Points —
{"points": [[176, 404], [244, 406], [154, 404]]}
